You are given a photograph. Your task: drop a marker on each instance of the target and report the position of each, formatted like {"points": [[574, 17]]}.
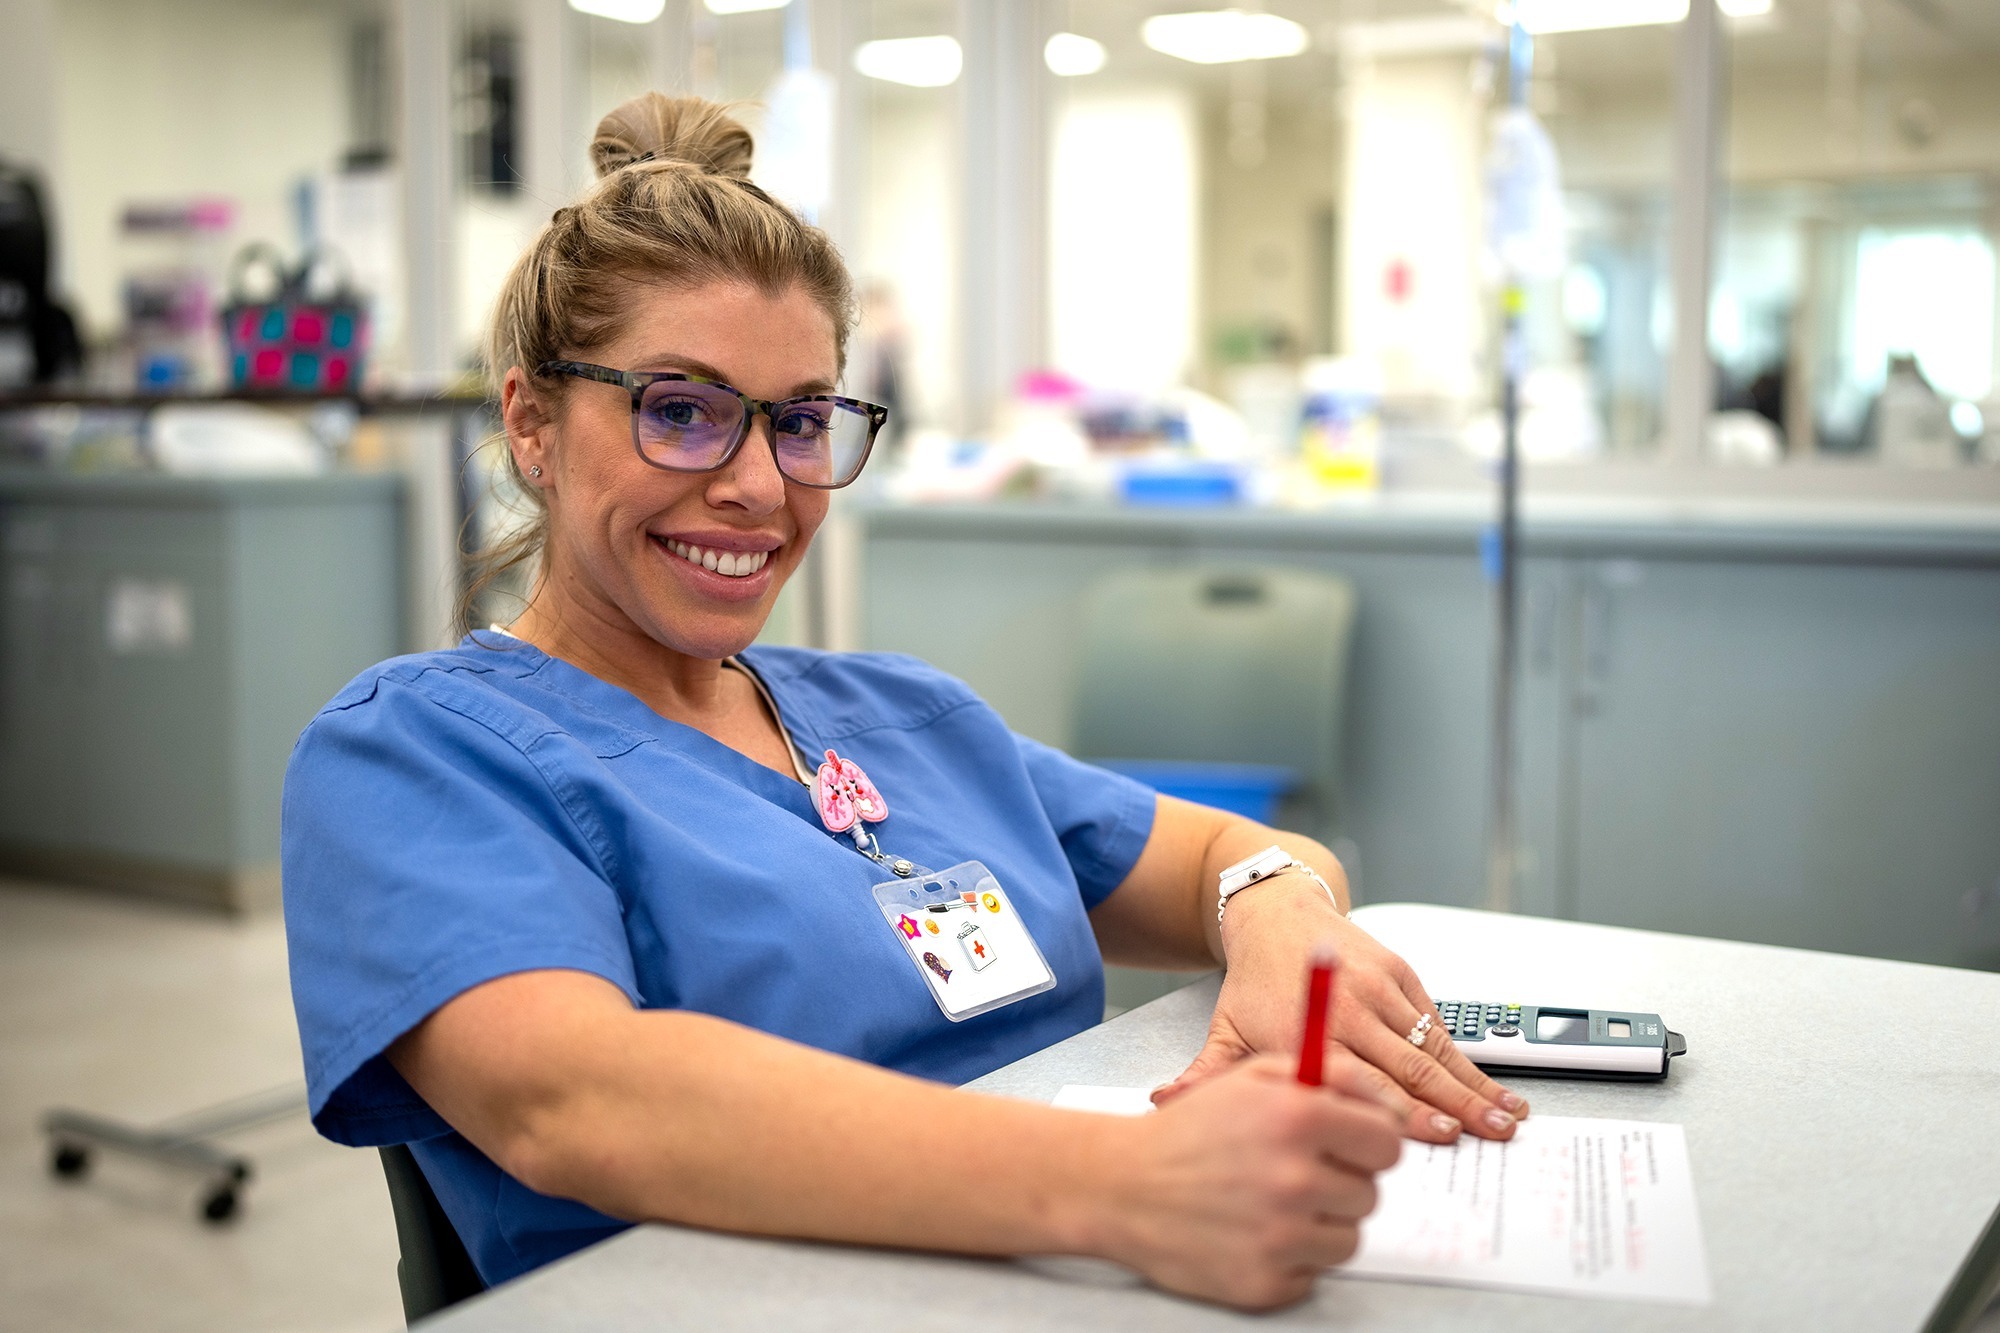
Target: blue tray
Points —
{"points": [[1251, 790]]}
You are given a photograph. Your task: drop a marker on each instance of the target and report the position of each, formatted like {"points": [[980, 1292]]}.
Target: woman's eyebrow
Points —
{"points": [[688, 365]]}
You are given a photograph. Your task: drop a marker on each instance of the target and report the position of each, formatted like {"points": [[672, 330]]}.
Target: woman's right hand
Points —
{"points": [[1245, 1188]]}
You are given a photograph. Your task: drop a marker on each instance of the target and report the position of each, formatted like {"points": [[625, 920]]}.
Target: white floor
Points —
{"points": [[139, 1012]]}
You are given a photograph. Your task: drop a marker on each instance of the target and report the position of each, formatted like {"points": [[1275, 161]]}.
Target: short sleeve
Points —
{"points": [[424, 853], [1103, 819]]}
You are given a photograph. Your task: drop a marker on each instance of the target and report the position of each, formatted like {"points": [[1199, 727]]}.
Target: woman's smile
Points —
{"points": [[724, 567]]}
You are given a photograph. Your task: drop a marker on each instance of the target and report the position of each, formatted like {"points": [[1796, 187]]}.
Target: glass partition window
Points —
{"points": [[1854, 300]]}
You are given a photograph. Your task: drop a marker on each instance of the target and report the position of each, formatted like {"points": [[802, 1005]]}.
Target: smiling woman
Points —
{"points": [[612, 916]]}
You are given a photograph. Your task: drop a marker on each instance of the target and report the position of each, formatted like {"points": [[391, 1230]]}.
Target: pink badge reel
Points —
{"points": [[845, 796]]}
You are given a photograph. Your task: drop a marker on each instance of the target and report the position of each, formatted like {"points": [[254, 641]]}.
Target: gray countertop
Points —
{"points": [[1842, 1114], [169, 489], [1690, 526]]}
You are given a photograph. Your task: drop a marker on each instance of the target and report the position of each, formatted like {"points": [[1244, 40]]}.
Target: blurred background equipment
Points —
{"points": [[305, 330], [171, 257], [38, 337]]}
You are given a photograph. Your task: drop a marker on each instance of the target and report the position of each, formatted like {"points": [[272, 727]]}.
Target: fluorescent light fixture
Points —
{"points": [[1219, 36], [919, 62], [1542, 16], [1070, 54], [625, 11], [742, 6], [1445, 34]]}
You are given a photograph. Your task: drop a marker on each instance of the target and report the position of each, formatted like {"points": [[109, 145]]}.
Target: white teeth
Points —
{"points": [[731, 564]]}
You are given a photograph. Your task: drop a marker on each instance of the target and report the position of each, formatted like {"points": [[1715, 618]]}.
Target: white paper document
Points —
{"points": [[1108, 1101], [1572, 1206]]}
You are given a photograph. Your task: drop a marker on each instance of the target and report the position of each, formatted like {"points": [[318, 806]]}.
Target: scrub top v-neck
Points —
{"points": [[457, 816]]}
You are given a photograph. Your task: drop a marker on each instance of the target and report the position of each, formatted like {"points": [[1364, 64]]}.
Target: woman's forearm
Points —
{"points": [[1163, 914], [672, 1116], [1241, 1192]]}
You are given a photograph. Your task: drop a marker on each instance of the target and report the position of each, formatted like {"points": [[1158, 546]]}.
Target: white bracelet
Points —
{"points": [[1293, 864]]}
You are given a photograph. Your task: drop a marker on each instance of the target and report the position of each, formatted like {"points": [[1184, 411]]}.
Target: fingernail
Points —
{"points": [[1497, 1120], [1513, 1103], [1444, 1124]]}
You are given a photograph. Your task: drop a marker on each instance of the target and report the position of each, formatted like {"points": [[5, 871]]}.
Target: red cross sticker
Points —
{"points": [[973, 940]]}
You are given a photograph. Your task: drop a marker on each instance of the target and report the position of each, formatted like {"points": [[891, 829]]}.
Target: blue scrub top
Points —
{"points": [[460, 815]]}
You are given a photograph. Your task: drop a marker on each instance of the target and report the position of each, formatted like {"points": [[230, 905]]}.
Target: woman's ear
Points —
{"points": [[530, 429]]}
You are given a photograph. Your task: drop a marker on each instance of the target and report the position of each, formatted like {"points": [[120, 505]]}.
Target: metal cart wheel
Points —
{"points": [[70, 1161], [219, 1204]]}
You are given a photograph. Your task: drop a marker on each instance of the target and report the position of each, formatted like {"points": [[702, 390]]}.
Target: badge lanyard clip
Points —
{"points": [[847, 801], [989, 959]]}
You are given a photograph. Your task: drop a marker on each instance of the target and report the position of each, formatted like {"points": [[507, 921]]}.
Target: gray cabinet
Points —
{"points": [[1803, 752], [162, 642], [1783, 728]]}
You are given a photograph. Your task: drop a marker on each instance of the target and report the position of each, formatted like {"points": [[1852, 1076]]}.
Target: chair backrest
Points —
{"points": [[434, 1271], [1223, 664]]}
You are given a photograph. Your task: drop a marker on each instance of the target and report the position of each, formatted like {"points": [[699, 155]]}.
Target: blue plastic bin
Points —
{"points": [[1193, 484], [1251, 790]]}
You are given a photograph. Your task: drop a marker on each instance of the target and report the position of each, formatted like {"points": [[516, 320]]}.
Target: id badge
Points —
{"points": [[968, 943]]}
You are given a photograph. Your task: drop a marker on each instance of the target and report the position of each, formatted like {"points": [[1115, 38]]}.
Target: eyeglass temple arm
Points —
{"points": [[584, 370]]}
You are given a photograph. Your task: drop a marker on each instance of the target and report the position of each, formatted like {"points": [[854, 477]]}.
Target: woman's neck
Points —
{"points": [[682, 688]]}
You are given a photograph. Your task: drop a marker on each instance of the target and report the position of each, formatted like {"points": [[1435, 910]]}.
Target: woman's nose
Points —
{"points": [[752, 479]]}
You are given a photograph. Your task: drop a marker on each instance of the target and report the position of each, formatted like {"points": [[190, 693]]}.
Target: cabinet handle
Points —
{"points": [[1596, 628], [1544, 605]]}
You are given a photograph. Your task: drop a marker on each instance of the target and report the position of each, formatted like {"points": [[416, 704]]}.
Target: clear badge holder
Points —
{"points": [[968, 942]]}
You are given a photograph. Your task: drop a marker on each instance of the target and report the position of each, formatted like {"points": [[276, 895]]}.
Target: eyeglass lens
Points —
{"points": [[690, 427]]}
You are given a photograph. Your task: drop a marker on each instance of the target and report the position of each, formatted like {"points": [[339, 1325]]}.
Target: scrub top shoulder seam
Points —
{"points": [[587, 828]]}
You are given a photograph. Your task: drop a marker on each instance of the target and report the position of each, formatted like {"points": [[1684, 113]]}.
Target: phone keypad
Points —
{"points": [[1467, 1020]]}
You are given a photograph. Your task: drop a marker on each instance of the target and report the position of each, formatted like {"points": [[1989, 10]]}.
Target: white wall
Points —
{"points": [[27, 82], [1125, 237], [1416, 139], [1260, 223], [907, 237]]}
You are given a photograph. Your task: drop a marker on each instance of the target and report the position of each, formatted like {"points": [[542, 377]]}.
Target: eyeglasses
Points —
{"points": [[686, 423]]}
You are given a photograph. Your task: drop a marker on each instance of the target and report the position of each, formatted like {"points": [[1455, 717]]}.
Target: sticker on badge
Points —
{"points": [[973, 953], [977, 951]]}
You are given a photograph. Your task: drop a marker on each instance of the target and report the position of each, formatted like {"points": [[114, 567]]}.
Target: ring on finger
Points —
{"points": [[1422, 1030]]}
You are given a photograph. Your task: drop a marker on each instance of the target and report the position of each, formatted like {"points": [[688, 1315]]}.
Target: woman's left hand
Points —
{"points": [[1269, 938]]}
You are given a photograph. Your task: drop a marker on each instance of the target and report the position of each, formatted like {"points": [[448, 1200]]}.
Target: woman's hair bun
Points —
{"points": [[655, 127]]}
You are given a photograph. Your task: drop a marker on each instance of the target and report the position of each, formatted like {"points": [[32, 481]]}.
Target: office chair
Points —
{"points": [[1220, 666], [434, 1271], [1186, 669]]}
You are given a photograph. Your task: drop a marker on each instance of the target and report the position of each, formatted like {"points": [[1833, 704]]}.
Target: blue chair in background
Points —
{"points": [[1222, 685]]}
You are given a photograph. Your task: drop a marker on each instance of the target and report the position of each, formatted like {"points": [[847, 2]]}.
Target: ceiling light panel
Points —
{"points": [[1544, 16], [1222, 36], [918, 62], [742, 6], [625, 11], [1070, 54]]}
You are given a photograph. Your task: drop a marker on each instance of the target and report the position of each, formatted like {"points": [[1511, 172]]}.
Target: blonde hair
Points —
{"points": [[673, 204]]}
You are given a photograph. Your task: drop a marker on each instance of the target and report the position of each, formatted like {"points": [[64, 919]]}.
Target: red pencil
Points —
{"points": [[1319, 1007]]}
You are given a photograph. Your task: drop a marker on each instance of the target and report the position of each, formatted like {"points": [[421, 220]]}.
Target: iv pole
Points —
{"points": [[1504, 542]]}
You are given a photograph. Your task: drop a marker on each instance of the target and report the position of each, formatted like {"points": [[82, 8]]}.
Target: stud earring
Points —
{"points": [[535, 471]]}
